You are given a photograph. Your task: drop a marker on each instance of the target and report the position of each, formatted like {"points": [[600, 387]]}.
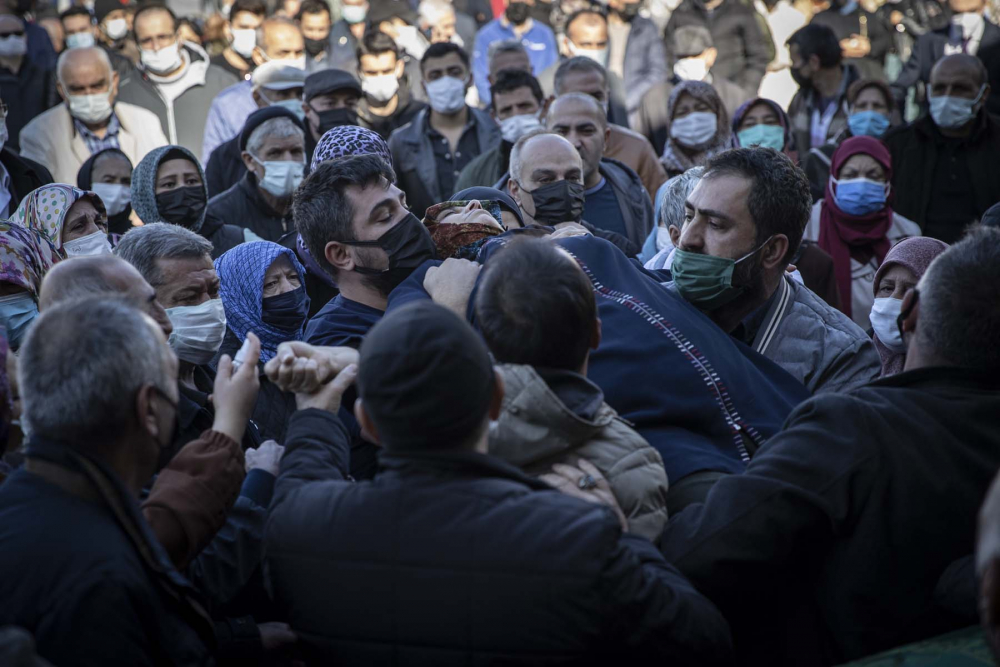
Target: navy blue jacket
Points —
{"points": [[704, 400], [456, 558]]}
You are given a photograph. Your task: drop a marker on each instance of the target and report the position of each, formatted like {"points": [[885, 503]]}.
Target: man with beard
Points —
{"points": [[743, 224]]}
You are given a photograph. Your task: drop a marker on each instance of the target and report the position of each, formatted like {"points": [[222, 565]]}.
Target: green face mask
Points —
{"points": [[706, 281]]}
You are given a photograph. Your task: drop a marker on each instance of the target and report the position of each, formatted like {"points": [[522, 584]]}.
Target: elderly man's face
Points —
{"points": [[275, 149], [545, 159], [187, 282], [283, 42], [580, 124], [592, 35], [85, 73], [717, 221], [956, 77]]}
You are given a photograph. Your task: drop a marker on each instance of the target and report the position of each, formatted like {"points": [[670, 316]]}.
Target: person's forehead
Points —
{"points": [[174, 167], [588, 28], [110, 163], [726, 193], [281, 32], [153, 19], [548, 153], [871, 93], [271, 141], [954, 71], [861, 161], [280, 264], [9, 22], [76, 20], [84, 65], [898, 272], [761, 109], [444, 62], [573, 113], [187, 270], [513, 96], [244, 16], [363, 199], [510, 60], [582, 82]]}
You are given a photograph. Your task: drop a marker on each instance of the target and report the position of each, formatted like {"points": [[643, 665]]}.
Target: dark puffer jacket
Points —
{"points": [[455, 558]]}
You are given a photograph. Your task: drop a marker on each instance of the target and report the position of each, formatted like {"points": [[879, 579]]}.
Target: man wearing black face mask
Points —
{"points": [[330, 99]]}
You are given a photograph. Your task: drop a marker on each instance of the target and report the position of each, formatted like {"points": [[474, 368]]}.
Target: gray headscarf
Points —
{"points": [[677, 159], [144, 184]]}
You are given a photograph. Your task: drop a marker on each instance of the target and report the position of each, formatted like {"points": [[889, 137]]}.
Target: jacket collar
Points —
{"points": [[764, 324], [248, 185], [942, 376], [457, 464]]}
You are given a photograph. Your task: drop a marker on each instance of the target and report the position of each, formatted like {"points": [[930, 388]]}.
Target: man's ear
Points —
{"points": [[775, 251], [339, 256], [400, 68], [144, 410], [248, 160], [114, 86], [59, 89], [675, 235], [368, 430], [258, 56], [910, 306], [711, 53], [814, 63], [496, 401]]}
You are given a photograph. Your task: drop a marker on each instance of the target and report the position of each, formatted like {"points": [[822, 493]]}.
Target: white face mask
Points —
{"points": [[94, 108], [80, 40], [694, 129], [13, 46], [446, 95], [115, 197], [91, 244], [160, 62], [515, 127], [244, 42], [297, 63], [885, 313], [198, 331], [116, 28], [381, 88], [600, 56], [691, 69], [354, 13], [281, 177]]}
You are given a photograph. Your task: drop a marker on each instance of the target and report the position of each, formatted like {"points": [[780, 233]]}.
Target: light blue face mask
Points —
{"points": [[859, 196], [868, 124], [294, 105], [765, 136], [952, 113], [17, 312]]}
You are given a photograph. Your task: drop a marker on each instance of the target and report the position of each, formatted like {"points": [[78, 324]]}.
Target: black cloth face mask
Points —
{"points": [[314, 47], [558, 202], [286, 311], [182, 206], [517, 12], [332, 118], [408, 245]]}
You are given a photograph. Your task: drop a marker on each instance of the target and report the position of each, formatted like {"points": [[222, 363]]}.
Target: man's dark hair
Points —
{"points": [[374, 42], [818, 40], [321, 209], [582, 12], [255, 7], [535, 307], [577, 64], [440, 50], [77, 10], [959, 301], [509, 80], [151, 7], [312, 7], [779, 199]]}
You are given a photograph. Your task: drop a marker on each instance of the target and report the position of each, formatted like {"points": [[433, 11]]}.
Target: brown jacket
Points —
{"points": [[536, 429], [192, 495], [634, 150]]}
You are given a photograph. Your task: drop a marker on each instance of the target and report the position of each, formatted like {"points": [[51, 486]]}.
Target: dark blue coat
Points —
{"points": [[456, 558]]}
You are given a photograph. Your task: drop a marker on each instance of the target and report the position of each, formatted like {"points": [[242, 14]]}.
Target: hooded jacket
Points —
{"points": [[222, 236], [564, 418]]}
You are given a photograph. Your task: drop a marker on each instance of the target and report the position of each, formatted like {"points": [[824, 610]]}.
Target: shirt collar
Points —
{"points": [[84, 131]]}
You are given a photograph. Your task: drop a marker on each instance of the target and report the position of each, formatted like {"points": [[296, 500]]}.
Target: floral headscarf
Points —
{"points": [[675, 158], [25, 257], [241, 288], [349, 140], [44, 210], [461, 240]]}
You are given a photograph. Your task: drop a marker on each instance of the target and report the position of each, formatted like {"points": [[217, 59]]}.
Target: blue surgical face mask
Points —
{"points": [[952, 113], [17, 312], [859, 196], [868, 124], [765, 136]]}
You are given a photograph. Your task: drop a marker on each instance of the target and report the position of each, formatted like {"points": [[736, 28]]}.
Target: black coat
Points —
{"points": [[27, 94], [915, 151], [274, 407], [243, 206], [456, 558], [225, 167], [744, 50], [829, 547], [25, 175]]}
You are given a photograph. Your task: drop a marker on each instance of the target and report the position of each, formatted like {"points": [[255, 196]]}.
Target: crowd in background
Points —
{"points": [[436, 332]]}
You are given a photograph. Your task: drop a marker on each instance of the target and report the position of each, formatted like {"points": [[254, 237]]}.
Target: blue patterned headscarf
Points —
{"points": [[144, 184], [241, 277], [349, 140]]}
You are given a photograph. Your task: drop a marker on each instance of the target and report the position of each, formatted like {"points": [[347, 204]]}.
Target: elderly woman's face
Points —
{"points": [[471, 212], [688, 104], [896, 282], [176, 173], [871, 99], [280, 277], [862, 165], [83, 219]]}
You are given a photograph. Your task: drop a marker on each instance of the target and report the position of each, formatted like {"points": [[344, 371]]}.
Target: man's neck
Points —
{"points": [[99, 129], [12, 63], [729, 316], [281, 205], [185, 374], [827, 81], [386, 109], [959, 132], [235, 59], [358, 30], [592, 179], [519, 30], [458, 119], [356, 290]]}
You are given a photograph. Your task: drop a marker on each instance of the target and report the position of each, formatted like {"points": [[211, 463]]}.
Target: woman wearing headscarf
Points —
{"points": [[761, 122], [699, 127], [168, 185], [72, 220], [108, 174], [902, 269], [871, 112], [855, 222], [25, 258], [262, 291]]}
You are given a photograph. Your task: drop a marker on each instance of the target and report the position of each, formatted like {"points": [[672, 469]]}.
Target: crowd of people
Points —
{"points": [[434, 332]]}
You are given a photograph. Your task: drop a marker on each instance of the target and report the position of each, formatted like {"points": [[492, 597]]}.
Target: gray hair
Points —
{"points": [[960, 303], [577, 64], [676, 192], [80, 51], [81, 366], [515, 152], [142, 246], [279, 128]]}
